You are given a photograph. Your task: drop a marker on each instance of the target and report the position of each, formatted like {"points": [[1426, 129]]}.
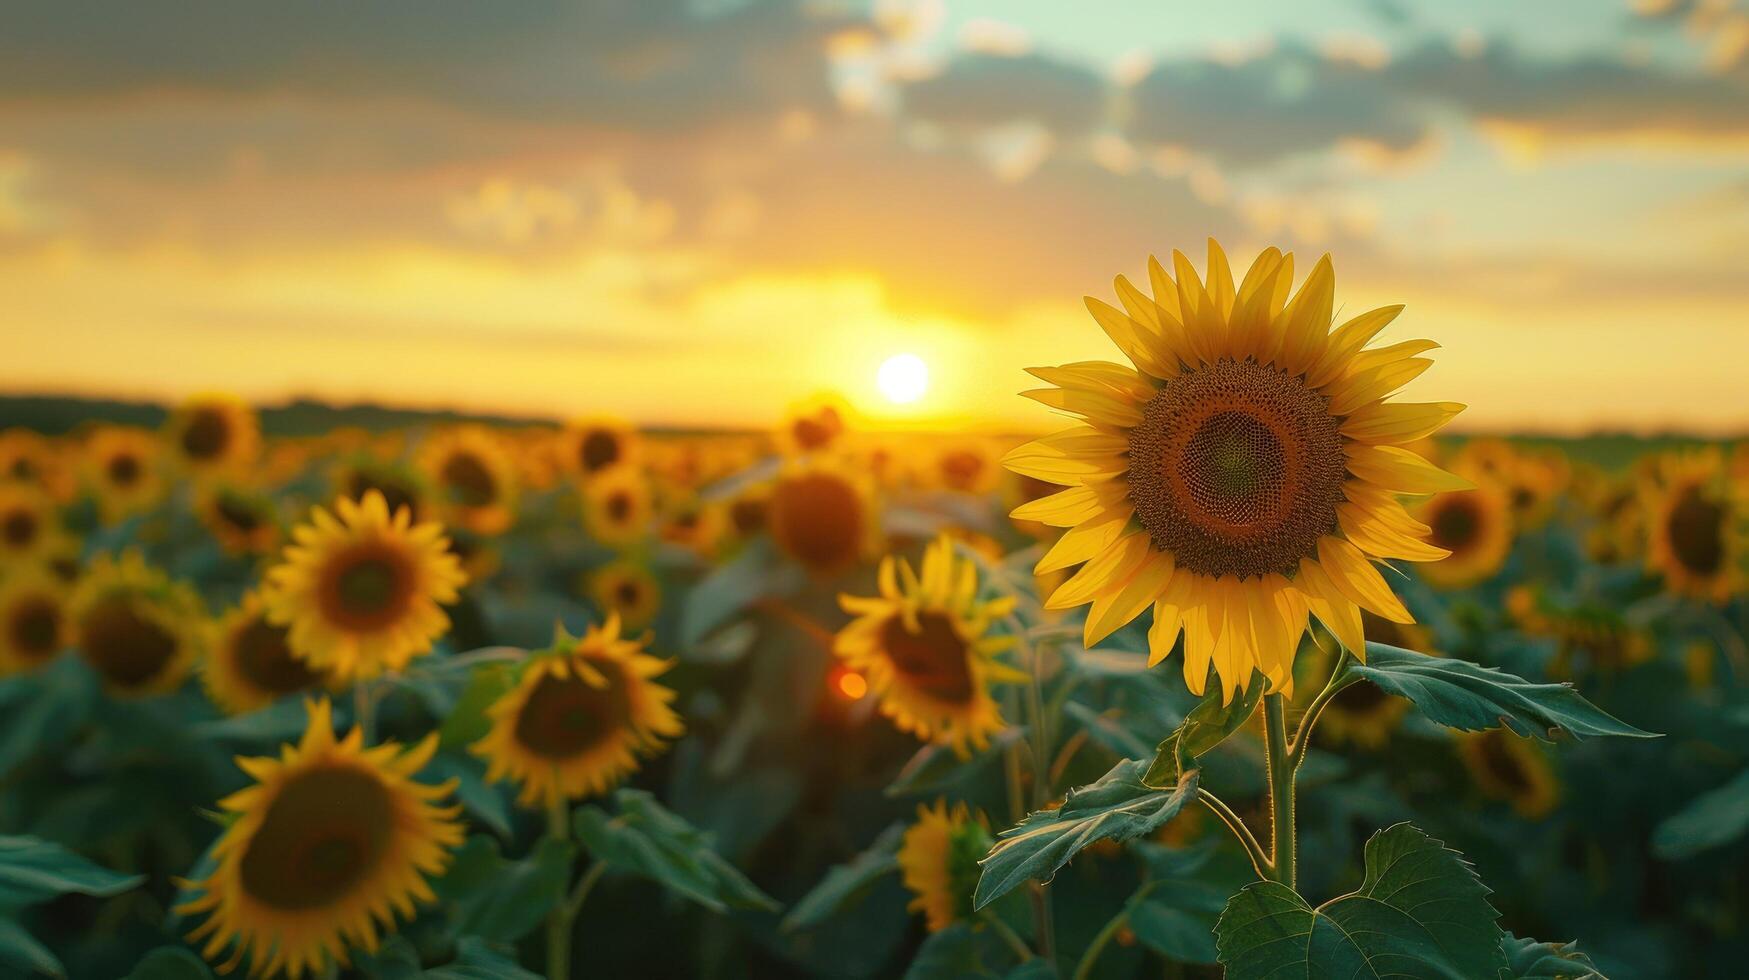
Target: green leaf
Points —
{"points": [[1119, 806], [847, 884], [282, 721], [1174, 911], [20, 949], [475, 959], [1420, 912], [951, 954], [483, 801], [1207, 725], [504, 900], [1527, 959], [754, 574], [171, 963], [1470, 697], [468, 723], [648, 840], [1106, 730], [34, 870], [44, 709], [1709, 820], [935, 766]]}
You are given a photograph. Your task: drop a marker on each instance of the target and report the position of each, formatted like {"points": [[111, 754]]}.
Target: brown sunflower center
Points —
{"points": [[124, 469], [748, 513], [368, 586], [1503, 764], [933, 659], [566, 715], [23, 469], [238, 513], [817, 518], [960, 470], [19, 528], [627, 593], [470, 483], [1236, 469], [323, 834], [599, 450], [619, 506], [36, 628], [207, 434], [1456, 521], [127, 648], [816, 431], [265, 659], [1695, 526]]}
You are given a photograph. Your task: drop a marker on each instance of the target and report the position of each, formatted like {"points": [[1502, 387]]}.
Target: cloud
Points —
{"points": [[981, 89]]}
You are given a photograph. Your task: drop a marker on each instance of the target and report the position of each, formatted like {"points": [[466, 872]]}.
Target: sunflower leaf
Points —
{"points": [[1710, 820], [1420, 912], [1527, 959], [647, 839], [171, 963], [846, 884], [1472, 698], [501, 899], [754, 574], [1119, 806], [20, 949], [1207, 725], [34, 870]]}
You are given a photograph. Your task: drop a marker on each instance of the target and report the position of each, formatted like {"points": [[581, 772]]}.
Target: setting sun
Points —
{"points": [[903, 378]]}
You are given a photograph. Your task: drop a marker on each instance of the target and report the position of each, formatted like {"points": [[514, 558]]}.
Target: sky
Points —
{"points": [[702, 212]]}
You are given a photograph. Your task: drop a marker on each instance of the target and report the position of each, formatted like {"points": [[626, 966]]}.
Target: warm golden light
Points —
{"points": [[852, 685], [903, 378]]}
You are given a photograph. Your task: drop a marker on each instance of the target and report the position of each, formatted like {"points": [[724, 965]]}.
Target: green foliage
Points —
{"points": [[171, 963], [1527, 959], [1421, 912], [1119, 806], [1207, 726], [467, 722], [846, 884], [1710, 820], [733, 586], [502, 899], [33, 870], [1175, 910], [1469, 697], [645, 839], [936, 766], [44, 709]]}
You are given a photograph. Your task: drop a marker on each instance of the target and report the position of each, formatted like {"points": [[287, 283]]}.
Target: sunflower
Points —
{"points": [[1363, 714], [579, 716], [122, 469], [618, 507], [695, 524], [926, 647], [329, 845], [1506, 767], [747, 512], [822, 515], [30, 524], [360, 590], [32, 458], [590, 447], [139, 630], [245, 521], [628, 589], [475, 476], [214, 432], [1243, 476], [938, 861], [33, 619], [813, 426], [1475, 526], [402, 487], [1697, 533], [249, 662], [967, 467]]}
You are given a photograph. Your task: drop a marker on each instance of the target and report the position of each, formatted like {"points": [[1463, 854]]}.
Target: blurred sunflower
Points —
{"points": [[938, 862], [249, 663], [1506, 767], [812, 426], [693, 523], [475, 477], [967, 467], [1363, 714], [32, 458], [244, 520], [213, 432], [1475, 526], [33, 619], [122, 470], [747, 512], [581, 713], [329, 844], [1243, 476], [822, 515], [136, 628], [30, 524], [926, 648], [590, 447], [361, 591], [1697, 526], [628, 589], [402, 487], [618, 507]]}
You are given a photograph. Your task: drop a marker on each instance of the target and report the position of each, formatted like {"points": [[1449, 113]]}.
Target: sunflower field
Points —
{"points": [[1248, 671]]}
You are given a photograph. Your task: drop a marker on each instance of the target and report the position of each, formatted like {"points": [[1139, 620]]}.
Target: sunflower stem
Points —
{"points": [[1084, 969], [1009, 936], [1280, 772], [1340, 680], [364, 706], [1042, 789], [563, 914], [1259, 859]]}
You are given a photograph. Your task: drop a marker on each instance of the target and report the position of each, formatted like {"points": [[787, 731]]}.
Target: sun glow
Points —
{"points": [[903, 378]]}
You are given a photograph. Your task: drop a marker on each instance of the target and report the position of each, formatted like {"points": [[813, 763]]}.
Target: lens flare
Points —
{"points": [[903, 378]]}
